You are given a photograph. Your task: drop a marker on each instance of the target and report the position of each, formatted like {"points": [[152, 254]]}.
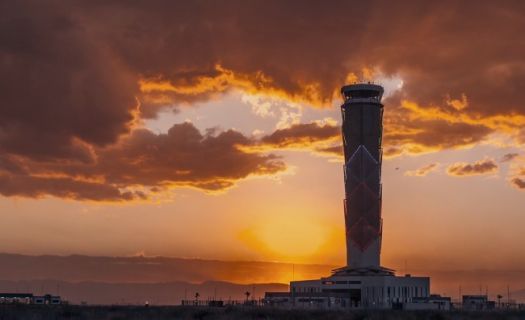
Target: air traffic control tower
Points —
{"points": [[362, 283], [362, 128]]}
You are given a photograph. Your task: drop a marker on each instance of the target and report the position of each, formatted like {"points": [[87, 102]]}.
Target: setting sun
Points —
{"points": [[289, 237]]}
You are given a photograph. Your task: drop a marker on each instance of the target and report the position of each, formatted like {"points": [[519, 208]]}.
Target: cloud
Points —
{"points": [[144, 163], [509, 157], [421, 137], [413, 129], [318, 137], [458, 104], [516, 172], [207, 49], [431, 136], [304, 134], [59, 86], [481, 167], [518, 183], [183, 157], [520, 136], [336, 151], [423, 171], [260, 106], [66, 187], [79, 77]]}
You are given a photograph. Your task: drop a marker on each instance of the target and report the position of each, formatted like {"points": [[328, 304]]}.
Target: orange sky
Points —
{"points": [[198, 130]]}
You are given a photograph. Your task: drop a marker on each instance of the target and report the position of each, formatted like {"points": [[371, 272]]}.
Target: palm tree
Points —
{"points": [[247, 294], [499, 296]]}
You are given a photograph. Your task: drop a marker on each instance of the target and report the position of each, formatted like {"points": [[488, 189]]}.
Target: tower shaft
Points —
{"points": [[362, 128]]}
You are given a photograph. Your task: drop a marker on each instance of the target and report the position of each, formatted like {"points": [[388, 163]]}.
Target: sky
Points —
{"points": [[212, 129]]}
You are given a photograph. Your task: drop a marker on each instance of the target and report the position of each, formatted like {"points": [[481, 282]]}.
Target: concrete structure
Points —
{"points": [[363, 282]]}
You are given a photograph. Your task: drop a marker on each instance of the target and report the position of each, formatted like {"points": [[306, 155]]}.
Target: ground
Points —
{"points": [[25, 312]]}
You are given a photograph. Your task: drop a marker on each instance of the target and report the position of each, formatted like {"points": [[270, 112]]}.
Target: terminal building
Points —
{"points": [[363, 282]]}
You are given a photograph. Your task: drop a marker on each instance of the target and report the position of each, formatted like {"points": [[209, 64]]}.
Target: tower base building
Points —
{"points": [[363, 282], [354, 290]]}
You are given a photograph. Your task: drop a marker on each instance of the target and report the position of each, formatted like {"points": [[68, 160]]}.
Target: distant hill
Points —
{"points": [[132, 280], [151, 269], [175, 272]]}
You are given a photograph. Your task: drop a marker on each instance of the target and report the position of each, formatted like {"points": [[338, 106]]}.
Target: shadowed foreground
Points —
{"points": [[8, 312]]}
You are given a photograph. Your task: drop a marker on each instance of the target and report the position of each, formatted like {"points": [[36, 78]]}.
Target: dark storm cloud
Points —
{"points": [[486, 166], [182, 157], [76, 74], [58, 84]]}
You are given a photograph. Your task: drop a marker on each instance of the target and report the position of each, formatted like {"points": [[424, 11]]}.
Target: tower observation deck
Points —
{"points": [[362, 128]]}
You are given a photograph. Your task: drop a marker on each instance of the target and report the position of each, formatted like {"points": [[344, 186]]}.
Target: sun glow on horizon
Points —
{"points": [[287, 237]]}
